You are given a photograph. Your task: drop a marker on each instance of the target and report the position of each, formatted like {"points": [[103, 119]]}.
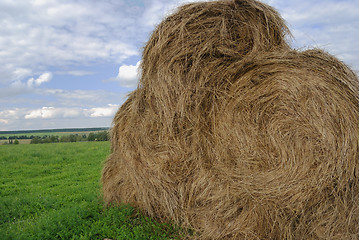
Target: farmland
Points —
{"points": [[53, 191], [44, 136]]}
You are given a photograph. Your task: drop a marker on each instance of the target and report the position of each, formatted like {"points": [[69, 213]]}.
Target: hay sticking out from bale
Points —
{"points": [[235, 135]]}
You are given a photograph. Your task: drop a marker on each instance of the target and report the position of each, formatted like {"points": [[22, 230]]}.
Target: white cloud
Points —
{"points": [[10, 73], [38, 34], [108, 111], [128, 75], [12, 114], [18, 87], [39, 113], [154, 12], [53, 117], [81, 98], [75, 73], [328, 24], [45, 77], [50, 112], [3, 121], [54, 112]]}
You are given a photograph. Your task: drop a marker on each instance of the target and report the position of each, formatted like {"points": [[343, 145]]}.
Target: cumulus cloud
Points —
{"points": [[108, 111], [51, 112], [56, 117], [9, 116], [17, 86], [45, 112], [45, 77], [55, 112], [128, 75]]}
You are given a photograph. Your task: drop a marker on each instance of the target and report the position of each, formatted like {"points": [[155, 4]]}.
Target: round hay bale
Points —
{"points": [[204, 36], [284, 152], [238, 141]]}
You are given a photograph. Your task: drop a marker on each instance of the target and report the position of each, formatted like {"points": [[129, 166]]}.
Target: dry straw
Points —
{"points": [[233, 134]]}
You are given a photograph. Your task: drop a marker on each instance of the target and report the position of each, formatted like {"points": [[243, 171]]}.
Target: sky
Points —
{"points": [[72, 63]]}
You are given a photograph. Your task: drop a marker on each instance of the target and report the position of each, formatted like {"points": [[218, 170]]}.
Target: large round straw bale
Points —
{"points": [[253, 144], [284, 161], [204, 36]]}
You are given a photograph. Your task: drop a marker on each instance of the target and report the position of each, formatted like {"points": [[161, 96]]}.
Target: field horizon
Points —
{"points": [[24, 131], [25, 136]]}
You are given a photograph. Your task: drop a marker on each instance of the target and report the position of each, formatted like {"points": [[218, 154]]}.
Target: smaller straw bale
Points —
{"points": [[204, 36]]}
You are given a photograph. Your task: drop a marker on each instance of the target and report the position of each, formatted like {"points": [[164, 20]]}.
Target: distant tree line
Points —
{"points": [[93, 136], [16, 137], [11, 141], [54, 130], [98, 136]]}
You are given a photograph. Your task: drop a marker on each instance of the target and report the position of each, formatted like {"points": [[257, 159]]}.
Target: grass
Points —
{"points": [[52, 191]]}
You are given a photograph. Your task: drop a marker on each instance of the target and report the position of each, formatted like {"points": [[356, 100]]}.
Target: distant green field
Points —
{"points": [[40, 134], [24, 137], [22, 141], [50, 132], [52, 191]]}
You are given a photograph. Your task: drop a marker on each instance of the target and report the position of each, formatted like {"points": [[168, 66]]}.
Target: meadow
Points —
{"points": [[24, 137], [53, 191]]}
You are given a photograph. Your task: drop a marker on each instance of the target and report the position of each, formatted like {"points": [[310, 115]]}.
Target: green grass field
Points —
{"points": [[52, 191]]}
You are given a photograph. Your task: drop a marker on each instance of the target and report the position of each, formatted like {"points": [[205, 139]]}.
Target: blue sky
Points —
{"points": [[71, 63]]}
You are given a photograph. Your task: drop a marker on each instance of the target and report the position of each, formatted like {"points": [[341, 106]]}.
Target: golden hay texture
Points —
{"points": [[235, 135]]}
